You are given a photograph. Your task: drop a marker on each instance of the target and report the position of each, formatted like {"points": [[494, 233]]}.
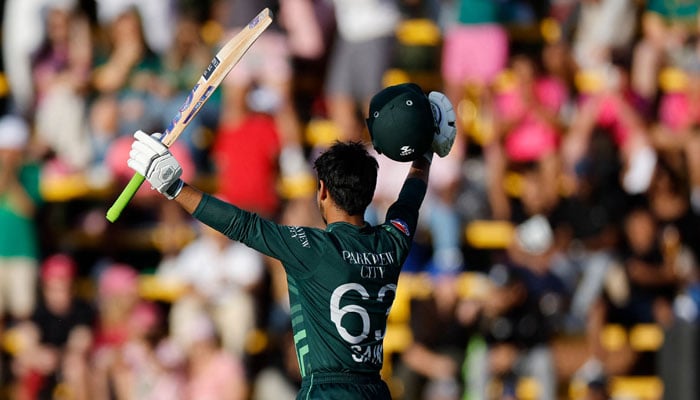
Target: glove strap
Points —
{"points": [[174, 189]]}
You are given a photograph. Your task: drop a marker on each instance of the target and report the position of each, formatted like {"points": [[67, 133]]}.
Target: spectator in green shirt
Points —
{"points": [[19, 198]]}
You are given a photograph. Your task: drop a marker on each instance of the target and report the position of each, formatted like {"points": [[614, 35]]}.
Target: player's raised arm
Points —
{"points": [[407, 126]]}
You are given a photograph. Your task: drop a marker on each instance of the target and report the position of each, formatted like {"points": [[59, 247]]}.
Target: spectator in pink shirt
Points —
{"points": [[612, 106], [528, 106], [674, 135]]}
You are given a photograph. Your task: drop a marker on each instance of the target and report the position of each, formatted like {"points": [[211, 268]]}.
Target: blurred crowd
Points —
{"points": [[570, 202]]}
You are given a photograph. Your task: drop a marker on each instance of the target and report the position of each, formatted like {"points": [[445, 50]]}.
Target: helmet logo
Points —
{"points": [[407, 150]]}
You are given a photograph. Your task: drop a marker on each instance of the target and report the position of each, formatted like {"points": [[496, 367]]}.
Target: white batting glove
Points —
{"points": [[152, 159], [445, 121]]}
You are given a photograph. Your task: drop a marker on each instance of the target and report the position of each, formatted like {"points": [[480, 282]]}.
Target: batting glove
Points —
{"points": [[152, 159], [445, 122]]}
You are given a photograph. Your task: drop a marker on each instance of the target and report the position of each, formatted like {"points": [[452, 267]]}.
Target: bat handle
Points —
{"points": [[126, 195]]}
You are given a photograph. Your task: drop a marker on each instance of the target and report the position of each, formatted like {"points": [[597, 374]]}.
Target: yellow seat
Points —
{"points": [[14, 341], [66, 187], [488, 234], [298, 186], [397, 338], [577, 389], [156, 288], [473, 285], [401, 309], [589, 81], [640, 337], [321, 132], [637, 387], [672, 79], [613, 337], [4, 85], [418, 32], [527, 388], [395, 76], [646, 337]]}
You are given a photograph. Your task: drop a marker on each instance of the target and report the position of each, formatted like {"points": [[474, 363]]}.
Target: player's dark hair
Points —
{"points": [[350, 174]]}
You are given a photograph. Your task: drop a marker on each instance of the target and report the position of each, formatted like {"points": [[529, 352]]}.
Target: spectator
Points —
{"points": [[665, 28], [20, 200], [213, 373], [537, 247], [183, 63], [57, 337], [157, 35], [644, 293], [517, 337], [61, 76], [670, 204], [442, 325], [246, 164], [22, 33], [126, 67], [223, 277], [263, 80], [362, 51], [65, 53], [477, 28], [611, 104], [139, 370], [116, 298], [603, 26], [280, 378], [103, 129], [673, 132], [528, 110]]}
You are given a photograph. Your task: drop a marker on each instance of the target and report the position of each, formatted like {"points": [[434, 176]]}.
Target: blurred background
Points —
{"points": [[558, 243]]}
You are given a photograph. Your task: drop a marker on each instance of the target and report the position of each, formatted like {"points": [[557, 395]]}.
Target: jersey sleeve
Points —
{"points": [[403, 213], [292, 245]]}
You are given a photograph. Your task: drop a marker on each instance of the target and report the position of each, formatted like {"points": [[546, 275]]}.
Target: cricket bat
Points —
{"points": [[220, 66]]}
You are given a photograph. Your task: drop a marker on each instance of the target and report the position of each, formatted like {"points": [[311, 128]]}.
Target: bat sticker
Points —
{"points": [[182, 109], [211, 68], [254, 22], [201, 101]]}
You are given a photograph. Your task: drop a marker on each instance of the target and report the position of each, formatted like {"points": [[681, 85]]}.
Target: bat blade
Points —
{"points": [[222, 63]]}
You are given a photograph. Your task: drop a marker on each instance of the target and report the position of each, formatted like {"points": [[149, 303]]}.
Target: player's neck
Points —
{"points": [[332, 214], [341, 216]]}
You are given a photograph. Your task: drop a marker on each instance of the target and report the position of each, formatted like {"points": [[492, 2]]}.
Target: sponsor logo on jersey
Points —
{"points": [[401, 225]]}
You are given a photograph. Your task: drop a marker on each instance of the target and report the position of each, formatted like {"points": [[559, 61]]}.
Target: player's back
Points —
{"points": [[339, 310]]}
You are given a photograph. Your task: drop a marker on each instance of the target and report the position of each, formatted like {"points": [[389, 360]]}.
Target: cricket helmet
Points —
{"points": [[400, 122]]}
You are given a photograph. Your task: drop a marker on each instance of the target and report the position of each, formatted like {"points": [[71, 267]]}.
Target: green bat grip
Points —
{"points": [[126, 195]]}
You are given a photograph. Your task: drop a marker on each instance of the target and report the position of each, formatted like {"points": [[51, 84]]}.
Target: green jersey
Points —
{"points": [[342, 280], [18, 236]]}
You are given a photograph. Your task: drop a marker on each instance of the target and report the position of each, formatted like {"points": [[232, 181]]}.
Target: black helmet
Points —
{"points": [[401, 122]]}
